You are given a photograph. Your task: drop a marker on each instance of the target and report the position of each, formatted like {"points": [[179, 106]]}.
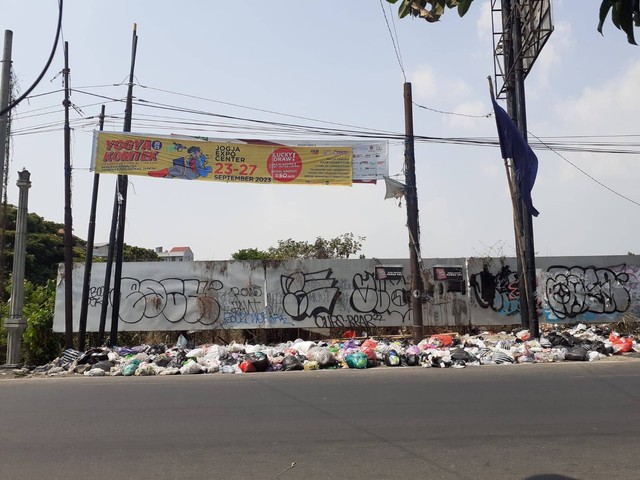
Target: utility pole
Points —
{"points": [[5, 94], [84, 302], [68, 222], [516, 106], [411, 198], [107, 274], [123, 182]]}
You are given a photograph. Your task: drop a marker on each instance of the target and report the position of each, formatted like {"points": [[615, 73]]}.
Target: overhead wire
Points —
{"points": [[486, 115], [195, 97], [263, 126], [17, 101], [396, 47], [587, 174]]}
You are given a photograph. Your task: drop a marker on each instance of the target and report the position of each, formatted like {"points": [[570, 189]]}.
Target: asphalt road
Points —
{"points": [[520, 422]]}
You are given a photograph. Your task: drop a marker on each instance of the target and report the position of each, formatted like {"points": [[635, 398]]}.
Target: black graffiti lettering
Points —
{"points": [[499, 292], [170, 299], [250, 291], [371, 295], [348, 321], [572, 291], [309, 294], [95, 296]]}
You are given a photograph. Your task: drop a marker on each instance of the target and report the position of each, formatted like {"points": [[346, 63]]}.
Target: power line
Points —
{"points": [[486, 115], [585, 173], [262, 126], [396, 48], [44, 70], [246, 107]]}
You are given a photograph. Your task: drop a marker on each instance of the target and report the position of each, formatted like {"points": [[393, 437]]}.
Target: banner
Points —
{"points": [[370, 159], [164, 157]]}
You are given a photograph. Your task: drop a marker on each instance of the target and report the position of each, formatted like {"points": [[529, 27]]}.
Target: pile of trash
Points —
{"points": [[579, 343]]}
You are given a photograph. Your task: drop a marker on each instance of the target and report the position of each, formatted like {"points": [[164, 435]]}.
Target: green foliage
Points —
{"points": [[138, 254], [250, 254], [45, 248], [624, 15], [39, 343], [430, 10], [341, 246]]}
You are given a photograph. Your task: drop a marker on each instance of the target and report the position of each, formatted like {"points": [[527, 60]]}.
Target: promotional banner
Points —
{"points": [[164, 157], [370, 159]]}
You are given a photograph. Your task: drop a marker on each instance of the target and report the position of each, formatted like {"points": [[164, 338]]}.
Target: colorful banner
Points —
{"points": [[370, 159], [164, 157]]}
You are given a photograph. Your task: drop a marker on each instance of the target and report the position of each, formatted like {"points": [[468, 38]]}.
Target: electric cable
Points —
{"points": [[245, 107], [396, 48], [44, 70], [587, 174]]}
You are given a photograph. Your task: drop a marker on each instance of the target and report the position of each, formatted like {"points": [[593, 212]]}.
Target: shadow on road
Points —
{"points": [[549, 476]]}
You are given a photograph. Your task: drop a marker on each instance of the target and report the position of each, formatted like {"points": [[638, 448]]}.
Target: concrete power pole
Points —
{"points": [[16, 325], [411, 196], [5, 94]]}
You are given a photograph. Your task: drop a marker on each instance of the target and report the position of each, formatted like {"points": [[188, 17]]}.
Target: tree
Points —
{"points": [[45, 248], [624, 13], [435, 9], [341, 246]]}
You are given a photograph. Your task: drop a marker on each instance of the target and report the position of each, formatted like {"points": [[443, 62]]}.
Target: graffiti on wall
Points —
{"points": [[349, 294], [367, 301], [373, 296], [170, 299], [499, 292], [587, 293]]}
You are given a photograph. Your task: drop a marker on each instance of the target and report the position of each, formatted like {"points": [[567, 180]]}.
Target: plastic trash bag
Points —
{"points": [[246, 366], [92, 356], [392, 359], [196, 352], [441, 340], [323, 356], [576, 354], [500, 357], [621, 344], [369, 343], [131, 368], [459, 354], [413, 360], [170, 371], [181, 342], [370, 353], [259, 360], [311, 365], [356, 360], [291, 362], [191, 368]]}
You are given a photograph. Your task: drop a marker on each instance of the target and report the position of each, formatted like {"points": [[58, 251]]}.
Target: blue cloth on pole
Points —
{"points": [[514, 146]]}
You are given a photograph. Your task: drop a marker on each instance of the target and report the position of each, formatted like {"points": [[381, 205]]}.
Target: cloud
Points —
{"points": [[553, 53], [424, 83], [609, 108], [475, 109], [483, 24], [606, 109]]}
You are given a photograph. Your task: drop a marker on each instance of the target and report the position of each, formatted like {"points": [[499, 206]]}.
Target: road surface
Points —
{"points": [[517, 422]]}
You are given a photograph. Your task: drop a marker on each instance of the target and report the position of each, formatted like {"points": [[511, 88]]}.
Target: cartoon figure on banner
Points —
{"points": [[194, 166]]}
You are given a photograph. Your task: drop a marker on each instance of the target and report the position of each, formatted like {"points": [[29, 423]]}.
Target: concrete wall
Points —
{"points": [[356, 294]]}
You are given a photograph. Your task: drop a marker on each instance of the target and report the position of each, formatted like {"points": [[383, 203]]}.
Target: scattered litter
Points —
{"points": [[579, 343]]}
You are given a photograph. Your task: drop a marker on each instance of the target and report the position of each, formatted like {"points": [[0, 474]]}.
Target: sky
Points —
{"points": [[330, 63]]}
